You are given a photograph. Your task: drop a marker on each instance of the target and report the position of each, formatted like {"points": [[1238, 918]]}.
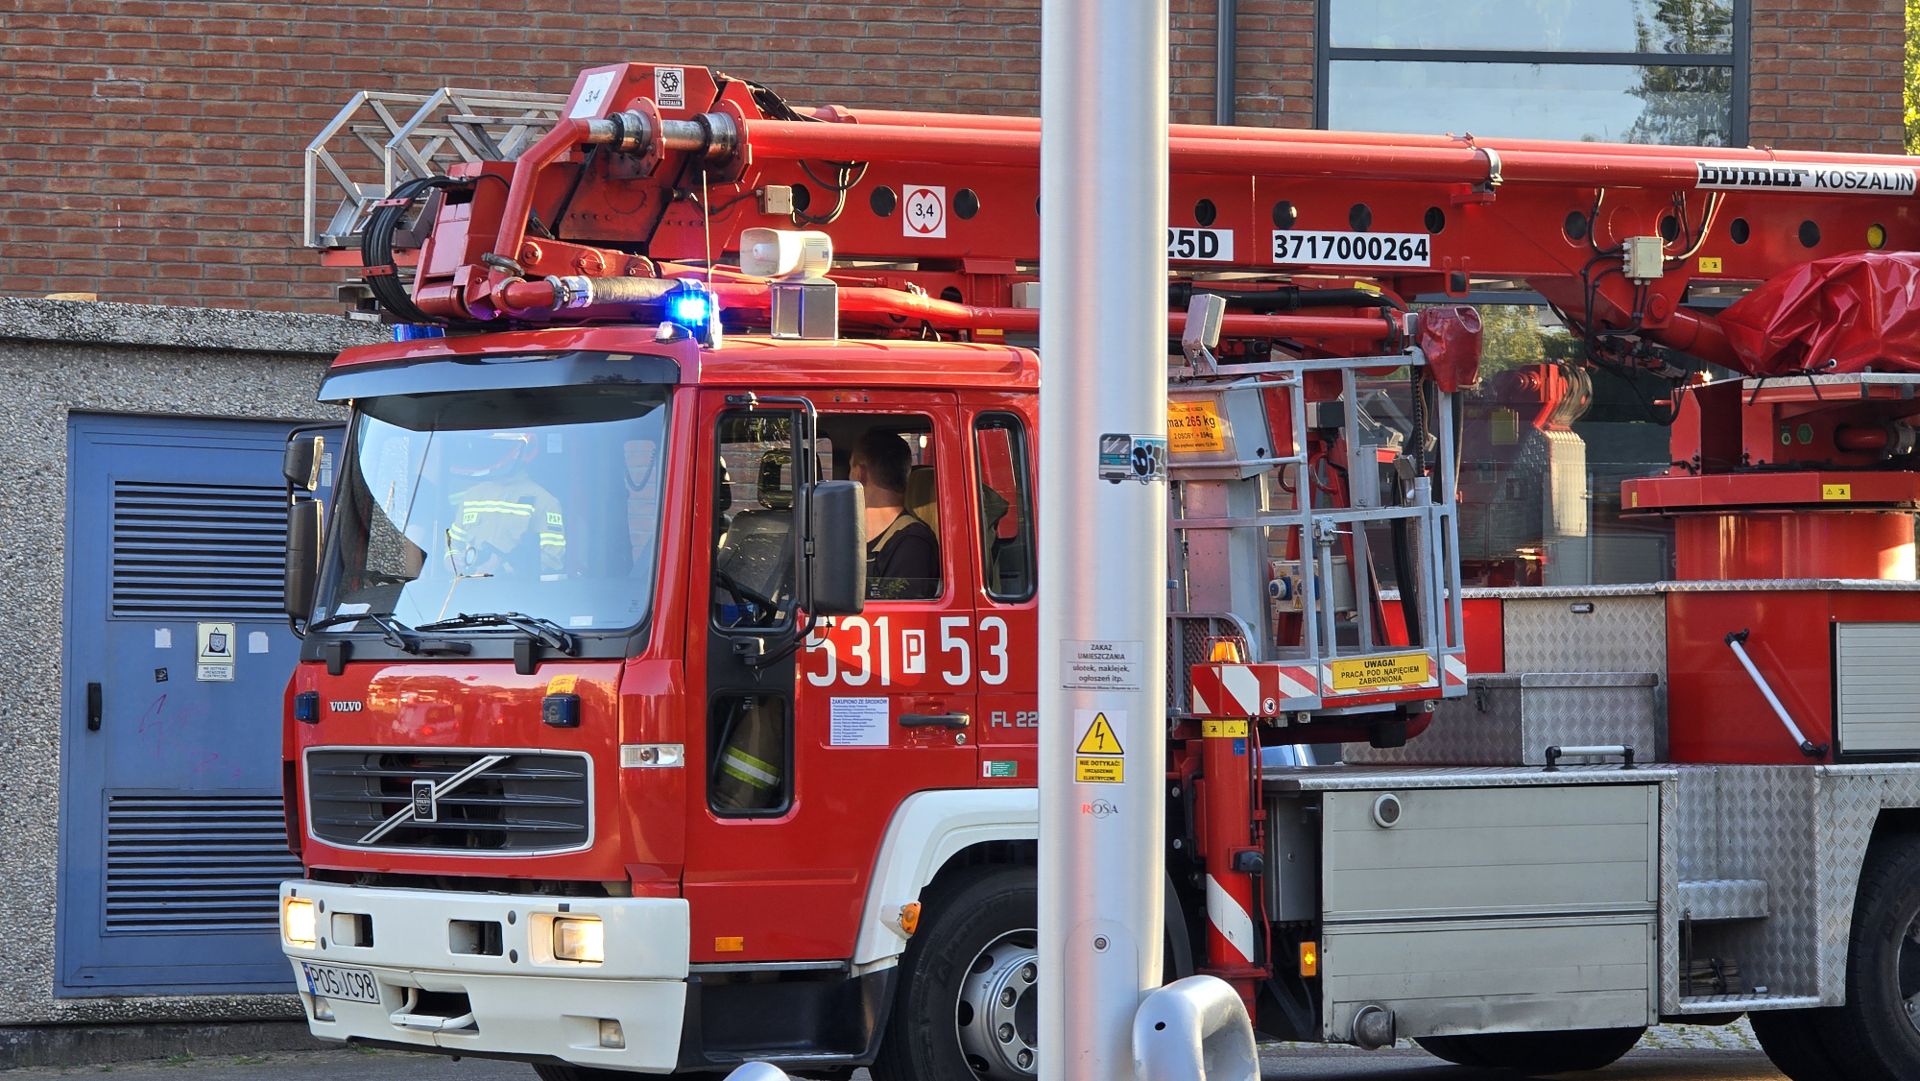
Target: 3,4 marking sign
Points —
{"points": [[923, 210]]}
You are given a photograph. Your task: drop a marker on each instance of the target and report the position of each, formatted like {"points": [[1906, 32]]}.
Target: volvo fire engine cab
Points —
{"points": [[667, 696]]}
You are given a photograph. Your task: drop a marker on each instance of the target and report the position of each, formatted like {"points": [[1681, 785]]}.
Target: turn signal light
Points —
{"points": [[910, 918], [1224, 651], [1309, 959]]}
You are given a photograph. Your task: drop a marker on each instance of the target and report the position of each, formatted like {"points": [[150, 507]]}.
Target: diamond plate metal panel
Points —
{"points": [[1510, 720], [1649, 589], [1345, 778], [1595, 633], [1803, 831]]}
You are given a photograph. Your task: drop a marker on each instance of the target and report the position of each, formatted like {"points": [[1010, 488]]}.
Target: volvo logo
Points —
{"points": [[346, 707], [426, 807]]}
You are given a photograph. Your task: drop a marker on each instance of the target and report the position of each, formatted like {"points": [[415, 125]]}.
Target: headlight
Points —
{"points": [[297, 922], [579, 938]]}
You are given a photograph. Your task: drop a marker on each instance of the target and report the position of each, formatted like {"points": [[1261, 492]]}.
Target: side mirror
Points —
{"points": [[301, 465], [303, 556], [837, 582]]}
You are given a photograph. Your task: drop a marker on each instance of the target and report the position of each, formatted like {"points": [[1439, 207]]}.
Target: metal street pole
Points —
{"points": [[1103, 511]]}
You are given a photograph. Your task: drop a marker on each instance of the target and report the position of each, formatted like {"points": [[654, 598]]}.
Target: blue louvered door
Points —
{"points": [[172, 840]]}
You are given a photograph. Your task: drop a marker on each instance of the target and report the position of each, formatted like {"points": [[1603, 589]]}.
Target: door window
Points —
{"points": [[753, 520], [1006, 507]]}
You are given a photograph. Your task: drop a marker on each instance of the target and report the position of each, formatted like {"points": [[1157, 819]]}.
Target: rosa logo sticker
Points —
{"points": [[925, 211]]}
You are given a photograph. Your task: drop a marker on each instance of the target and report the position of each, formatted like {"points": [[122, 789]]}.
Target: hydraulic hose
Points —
{"points": [[1285, 299], [379, 271]]}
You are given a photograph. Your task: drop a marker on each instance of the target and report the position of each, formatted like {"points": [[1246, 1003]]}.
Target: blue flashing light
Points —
{"points": [[413, 332], [691, 308]]}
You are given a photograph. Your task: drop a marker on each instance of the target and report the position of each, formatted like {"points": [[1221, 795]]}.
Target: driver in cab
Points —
{"points": [[903, 554], [504, 522]]}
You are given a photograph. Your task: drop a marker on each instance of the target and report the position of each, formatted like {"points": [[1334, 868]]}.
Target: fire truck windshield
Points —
{"points": [[541, 502]]}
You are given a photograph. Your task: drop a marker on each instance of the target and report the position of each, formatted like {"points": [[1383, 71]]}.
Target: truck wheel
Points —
{"points": [[1876, 1035], [967, 1007], [1791, 1039], [1536, 1052]]}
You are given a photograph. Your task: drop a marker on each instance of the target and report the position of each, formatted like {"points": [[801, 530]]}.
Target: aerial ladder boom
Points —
{"points": [[631, 182]]}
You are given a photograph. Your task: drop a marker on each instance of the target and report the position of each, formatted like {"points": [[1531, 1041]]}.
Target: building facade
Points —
{"points": [[154, 148], [152, 155]]}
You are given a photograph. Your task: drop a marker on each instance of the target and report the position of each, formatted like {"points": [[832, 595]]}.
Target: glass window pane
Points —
{"points": [[1006, 519], [1544, 447], [1609, 26], [1612, 103]]}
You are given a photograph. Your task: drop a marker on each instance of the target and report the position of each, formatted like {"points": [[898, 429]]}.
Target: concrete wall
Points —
{"points": [[55, 358]]}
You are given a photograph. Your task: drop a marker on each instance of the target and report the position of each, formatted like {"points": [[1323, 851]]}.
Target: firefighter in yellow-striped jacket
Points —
{"points": [[505, 522]]}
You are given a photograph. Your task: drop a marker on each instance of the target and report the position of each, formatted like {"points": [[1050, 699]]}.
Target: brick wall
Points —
{"points": [[151, 150], [1827, 74]]}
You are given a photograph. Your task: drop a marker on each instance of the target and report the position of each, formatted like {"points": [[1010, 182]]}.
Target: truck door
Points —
{"points": [[808, 754], [1001, 493]]}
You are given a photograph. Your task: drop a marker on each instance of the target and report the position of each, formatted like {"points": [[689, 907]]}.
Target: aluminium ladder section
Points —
{"points": [[1430, 509]]}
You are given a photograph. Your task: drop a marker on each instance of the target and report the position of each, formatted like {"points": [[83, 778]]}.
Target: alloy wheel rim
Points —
{"points": [[997, 1013]]}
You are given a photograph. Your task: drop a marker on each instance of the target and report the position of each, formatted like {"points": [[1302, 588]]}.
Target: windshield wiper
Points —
{"points": [[544, 631], [392, 631]]}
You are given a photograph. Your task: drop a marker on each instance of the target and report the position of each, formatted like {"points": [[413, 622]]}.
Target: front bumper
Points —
{"points": [[442, 986]]}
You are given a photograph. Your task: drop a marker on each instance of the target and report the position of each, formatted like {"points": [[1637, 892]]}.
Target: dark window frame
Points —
{"points": [[1020, 443], [1739, 60]]}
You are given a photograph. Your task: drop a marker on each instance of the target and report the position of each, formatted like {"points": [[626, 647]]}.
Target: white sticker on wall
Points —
{"points": [[858, 722], [162, 638], [258, 642]]}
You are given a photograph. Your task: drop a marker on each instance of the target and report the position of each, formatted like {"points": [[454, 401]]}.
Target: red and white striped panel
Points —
{"points": [[1455, 667], [1251, 690], [1230, 920]]}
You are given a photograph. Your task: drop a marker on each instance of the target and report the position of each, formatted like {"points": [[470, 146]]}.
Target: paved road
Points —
{"points": [[1320, 1064]]}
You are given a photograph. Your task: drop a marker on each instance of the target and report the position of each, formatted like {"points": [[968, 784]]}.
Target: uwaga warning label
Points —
{"points": [[1100, 666]]}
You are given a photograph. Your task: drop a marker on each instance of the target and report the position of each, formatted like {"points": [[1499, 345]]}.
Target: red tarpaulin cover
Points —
{"points": [[1860, 311]]}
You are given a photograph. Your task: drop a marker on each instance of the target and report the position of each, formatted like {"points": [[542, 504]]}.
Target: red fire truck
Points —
{"points": [[667, 696]]}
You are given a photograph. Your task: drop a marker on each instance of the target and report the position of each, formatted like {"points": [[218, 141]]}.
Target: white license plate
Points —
{"points": [[1323, 248], [338, 981]]}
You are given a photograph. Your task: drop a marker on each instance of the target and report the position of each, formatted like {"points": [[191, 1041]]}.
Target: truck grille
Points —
{"points": [[527, 802]]}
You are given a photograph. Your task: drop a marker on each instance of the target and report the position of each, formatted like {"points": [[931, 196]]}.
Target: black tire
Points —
{"points": [[923, 1041], [1536, 1052], [1873, 1037], [1459, 1050], [1791, 1039]]}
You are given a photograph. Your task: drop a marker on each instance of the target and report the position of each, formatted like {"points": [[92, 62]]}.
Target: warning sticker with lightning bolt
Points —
{"points": [[1099, 758]]}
